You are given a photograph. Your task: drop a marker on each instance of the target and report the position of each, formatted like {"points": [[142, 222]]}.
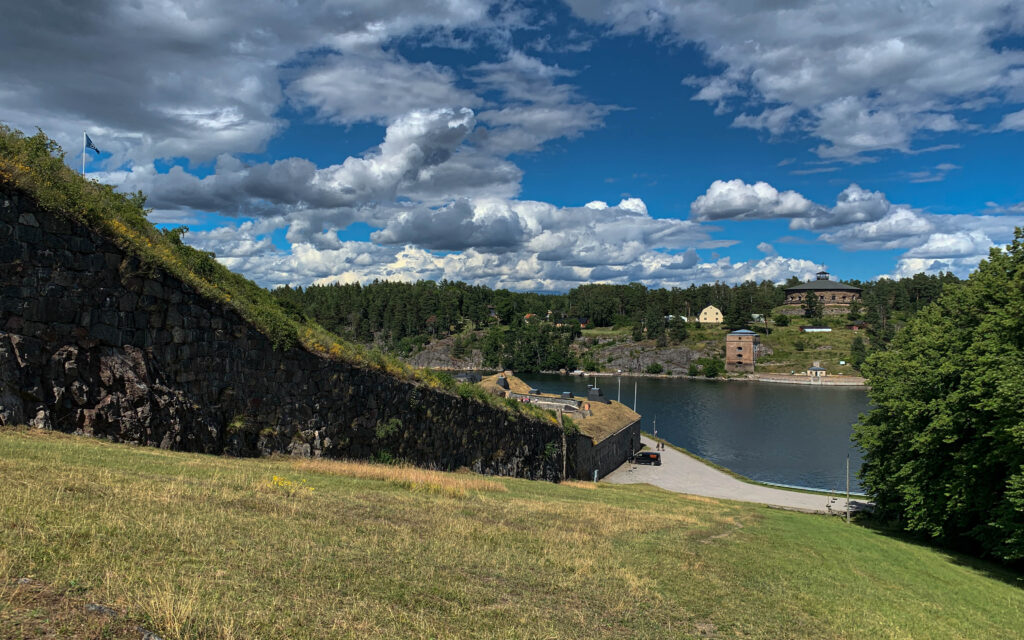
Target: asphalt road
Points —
{"points": [[683, 474]]}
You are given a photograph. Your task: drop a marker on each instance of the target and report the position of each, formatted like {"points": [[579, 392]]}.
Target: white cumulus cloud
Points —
{"points": [[737, 200]]}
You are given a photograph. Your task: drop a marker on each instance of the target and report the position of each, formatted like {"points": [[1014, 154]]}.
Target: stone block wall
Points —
{"points": [[94, 341], [827, 310], [605, 456]]}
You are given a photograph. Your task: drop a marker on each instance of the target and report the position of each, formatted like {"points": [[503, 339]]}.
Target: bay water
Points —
{"points": [[797, 435]]}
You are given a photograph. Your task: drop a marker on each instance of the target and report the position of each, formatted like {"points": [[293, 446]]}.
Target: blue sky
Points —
{"points": [[542, 145]]}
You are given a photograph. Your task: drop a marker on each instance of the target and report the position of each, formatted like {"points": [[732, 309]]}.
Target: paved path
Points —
{"points": [[683, 474]]}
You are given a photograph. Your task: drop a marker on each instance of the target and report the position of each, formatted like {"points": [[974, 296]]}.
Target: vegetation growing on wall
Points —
{"points": [[35, 165]]}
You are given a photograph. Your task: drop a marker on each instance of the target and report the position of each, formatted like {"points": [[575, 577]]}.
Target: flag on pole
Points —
{"points": [[89, 144]]}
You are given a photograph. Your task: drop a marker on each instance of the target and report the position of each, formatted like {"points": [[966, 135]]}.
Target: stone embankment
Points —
{"points": [[94, 340], [821, 381], [781, 378]]}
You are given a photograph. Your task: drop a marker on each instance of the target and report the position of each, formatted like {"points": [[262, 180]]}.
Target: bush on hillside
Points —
{"points": [[711, 367]]}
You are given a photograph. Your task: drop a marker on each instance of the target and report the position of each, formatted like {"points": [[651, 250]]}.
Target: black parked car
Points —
{"points": [[648, 457]]}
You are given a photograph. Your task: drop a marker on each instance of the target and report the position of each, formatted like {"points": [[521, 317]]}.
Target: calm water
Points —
{"points": [[788, 434]]}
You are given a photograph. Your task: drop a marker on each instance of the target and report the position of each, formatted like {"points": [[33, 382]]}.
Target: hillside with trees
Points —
{"points": [[603, 326]]}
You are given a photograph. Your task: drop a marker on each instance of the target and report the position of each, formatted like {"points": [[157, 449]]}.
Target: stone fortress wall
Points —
{"points": [[825, 297], [96, 342]]}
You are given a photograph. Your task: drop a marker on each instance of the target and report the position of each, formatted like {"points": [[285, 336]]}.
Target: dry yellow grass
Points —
{"points": [[413, 478], [606, 419], [197, 547], [579, 484], [490, 383]]}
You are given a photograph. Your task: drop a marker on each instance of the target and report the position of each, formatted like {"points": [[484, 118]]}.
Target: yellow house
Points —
{"points": [[710, 315]]}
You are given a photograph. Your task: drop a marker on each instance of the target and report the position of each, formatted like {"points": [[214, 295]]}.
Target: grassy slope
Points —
{"points": [[200, 546], [828, 348]]}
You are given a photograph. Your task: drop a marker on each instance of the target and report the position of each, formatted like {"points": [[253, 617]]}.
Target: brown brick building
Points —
{"points": [[740, 347]]}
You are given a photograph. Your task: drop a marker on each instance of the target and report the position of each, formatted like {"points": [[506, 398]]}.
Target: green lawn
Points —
{"points": [[207, 547], [607, 332]]}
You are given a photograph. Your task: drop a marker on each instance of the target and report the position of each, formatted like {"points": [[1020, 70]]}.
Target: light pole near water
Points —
{"points": [[847, 488]]}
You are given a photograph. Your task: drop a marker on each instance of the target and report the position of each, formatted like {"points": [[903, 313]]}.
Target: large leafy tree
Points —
{"points": [[944, 445]]}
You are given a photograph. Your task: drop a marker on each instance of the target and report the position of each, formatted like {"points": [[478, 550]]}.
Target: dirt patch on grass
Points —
{"points": [[32, 609]]}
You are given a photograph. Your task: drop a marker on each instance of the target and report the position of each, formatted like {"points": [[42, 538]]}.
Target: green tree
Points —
{"points": [[737, 316], [944, 445], [638, 329], [858, 353], [781, 320], [677, 330], [812, 306], [493, 347], [879, 325], [854, 313], [654, 323]]}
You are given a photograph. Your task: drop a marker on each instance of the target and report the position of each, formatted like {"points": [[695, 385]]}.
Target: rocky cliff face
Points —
{"points": [[637, 356], [94, 341], [438, 355]]}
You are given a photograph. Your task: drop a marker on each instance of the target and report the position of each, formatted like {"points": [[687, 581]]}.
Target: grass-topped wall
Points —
{"points": [[111, 327]]}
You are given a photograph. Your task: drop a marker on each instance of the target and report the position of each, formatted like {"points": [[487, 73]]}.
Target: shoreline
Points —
{"points": [[777, 378], [774, 378]]}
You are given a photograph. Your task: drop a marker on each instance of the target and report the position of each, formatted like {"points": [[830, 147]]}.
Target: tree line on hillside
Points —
{"points": [[401, 316]]}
